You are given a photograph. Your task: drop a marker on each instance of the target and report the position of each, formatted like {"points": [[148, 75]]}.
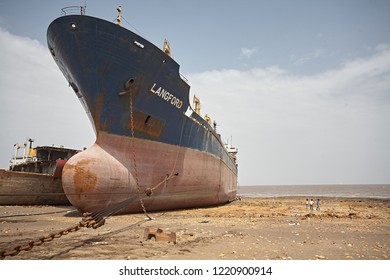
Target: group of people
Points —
{"points": [[310, 204]]}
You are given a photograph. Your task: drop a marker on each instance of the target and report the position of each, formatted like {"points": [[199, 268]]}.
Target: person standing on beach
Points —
{"points": [[318, 205], [307, 204], [311, 204]]}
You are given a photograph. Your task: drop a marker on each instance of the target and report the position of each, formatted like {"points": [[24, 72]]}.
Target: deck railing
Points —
{"points": [[73, 10]]}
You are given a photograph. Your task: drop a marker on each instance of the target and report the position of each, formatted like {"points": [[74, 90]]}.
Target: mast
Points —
{"points": [[118, 18]]}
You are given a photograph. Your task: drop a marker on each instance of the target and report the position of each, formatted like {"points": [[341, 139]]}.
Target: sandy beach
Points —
{"points": [[246, 229]]}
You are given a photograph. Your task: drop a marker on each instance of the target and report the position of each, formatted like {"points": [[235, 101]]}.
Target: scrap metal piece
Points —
{"points": [[159, 235]]}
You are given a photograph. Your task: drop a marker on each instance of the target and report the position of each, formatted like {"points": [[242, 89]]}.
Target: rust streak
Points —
{"points": [[83, 178], [100, 102], [147, 124]]}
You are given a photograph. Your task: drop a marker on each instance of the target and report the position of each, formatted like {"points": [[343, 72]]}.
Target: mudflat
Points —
{"points": [[246, 229]]}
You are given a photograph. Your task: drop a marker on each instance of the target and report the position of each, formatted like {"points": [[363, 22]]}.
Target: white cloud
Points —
{"points": [[35, 100], [248, 52], [299, 60], [326, 128]]}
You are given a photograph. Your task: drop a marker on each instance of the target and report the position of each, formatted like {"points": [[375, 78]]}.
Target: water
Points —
{"points": [[353, 191]]}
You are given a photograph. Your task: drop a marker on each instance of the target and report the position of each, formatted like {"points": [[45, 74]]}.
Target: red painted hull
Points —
{"points": [[107, 174]]}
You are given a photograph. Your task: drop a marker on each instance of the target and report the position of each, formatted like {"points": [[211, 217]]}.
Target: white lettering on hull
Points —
{"points": [[167, 96]]}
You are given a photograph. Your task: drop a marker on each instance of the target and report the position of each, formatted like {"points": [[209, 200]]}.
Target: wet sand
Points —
{"points": [[246, 229]]}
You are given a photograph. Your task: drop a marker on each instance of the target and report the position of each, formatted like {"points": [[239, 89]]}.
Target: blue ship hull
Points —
{"points": [[145, 127]]}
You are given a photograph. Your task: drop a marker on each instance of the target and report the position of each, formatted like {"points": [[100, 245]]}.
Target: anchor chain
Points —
{"points": [[134, 159], [87, 221]]}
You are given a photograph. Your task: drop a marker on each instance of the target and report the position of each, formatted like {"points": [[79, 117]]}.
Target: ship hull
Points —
{"points": [[117, 168], [27, 188], [146, 130]]}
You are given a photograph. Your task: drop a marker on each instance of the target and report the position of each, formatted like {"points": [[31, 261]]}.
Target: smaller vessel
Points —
{"points": [[34, 177]]}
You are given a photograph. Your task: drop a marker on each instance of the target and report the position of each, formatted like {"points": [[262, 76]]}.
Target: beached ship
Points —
{"points": [[151, 145], [34, 177]]}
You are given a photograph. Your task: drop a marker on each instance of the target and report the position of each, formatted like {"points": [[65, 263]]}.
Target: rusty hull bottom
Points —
{"points": [[110, 171], [25, 188]]}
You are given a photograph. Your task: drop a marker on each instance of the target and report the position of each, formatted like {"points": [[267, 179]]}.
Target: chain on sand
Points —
{"points": [[87, 221]]}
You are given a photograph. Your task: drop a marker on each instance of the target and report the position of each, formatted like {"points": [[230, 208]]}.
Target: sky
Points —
{"points": [[301, 88]]}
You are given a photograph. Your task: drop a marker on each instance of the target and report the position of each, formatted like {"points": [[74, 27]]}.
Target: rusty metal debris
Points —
{"points": [[159, 235]]}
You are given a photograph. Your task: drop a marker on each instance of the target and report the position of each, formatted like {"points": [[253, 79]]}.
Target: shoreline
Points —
{"points": [[323, 190], [246, 229], [313, 196]]}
